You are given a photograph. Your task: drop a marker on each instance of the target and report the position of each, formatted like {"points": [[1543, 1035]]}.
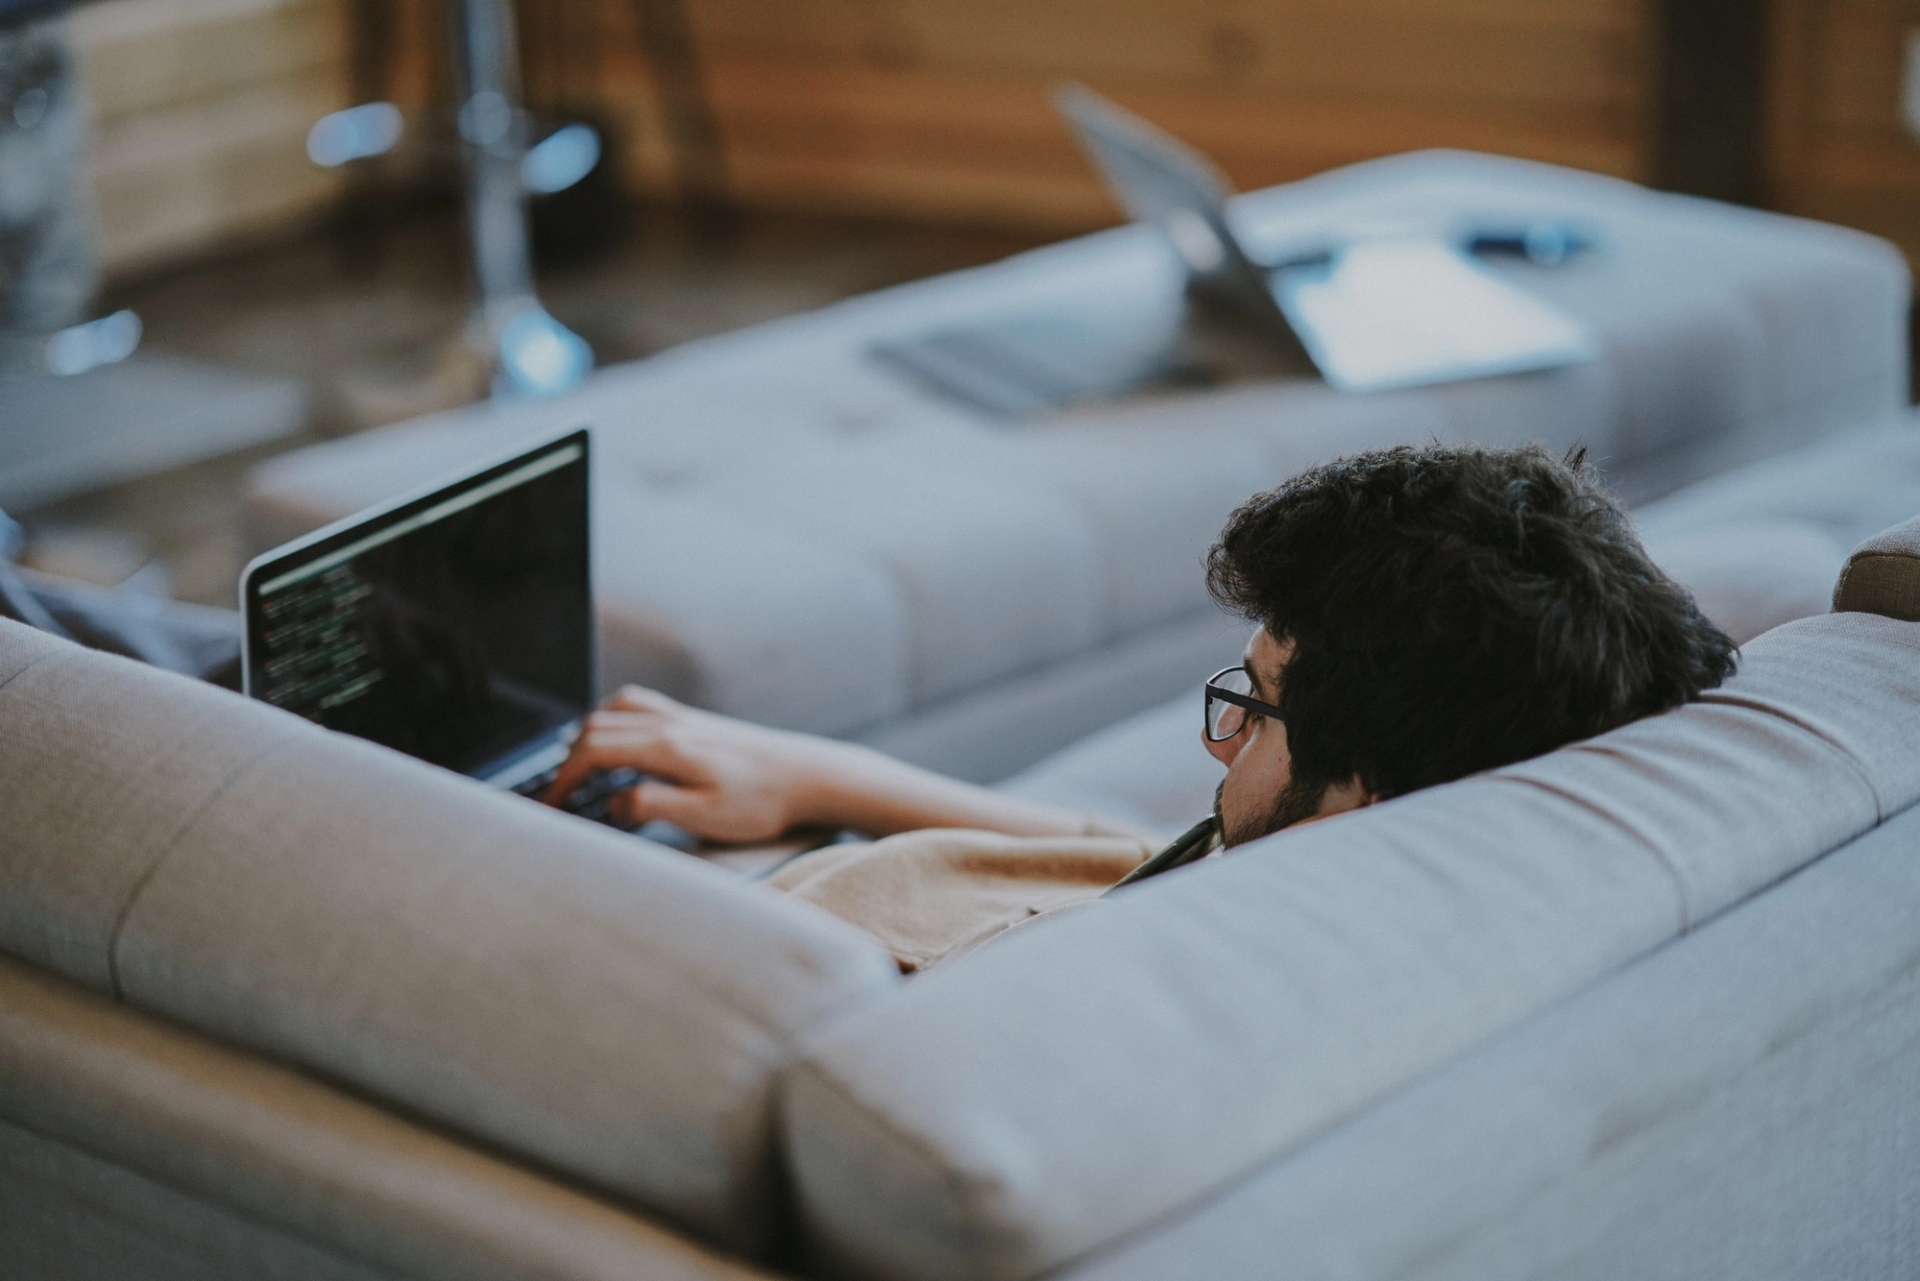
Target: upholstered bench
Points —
{"points": [[790, 531]]}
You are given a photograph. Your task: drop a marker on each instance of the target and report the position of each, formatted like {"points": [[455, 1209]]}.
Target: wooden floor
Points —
{"points": [[367, 319]]}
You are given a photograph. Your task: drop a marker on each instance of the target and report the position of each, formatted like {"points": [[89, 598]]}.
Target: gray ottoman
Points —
{"points": [[791, 532]]}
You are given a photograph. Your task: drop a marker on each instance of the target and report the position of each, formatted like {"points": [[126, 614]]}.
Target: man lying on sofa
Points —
{"points": [[1423, 614]]}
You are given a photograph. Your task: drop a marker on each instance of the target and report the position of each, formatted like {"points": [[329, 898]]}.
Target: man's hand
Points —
{"points": [[726, 780], [721, 779]]}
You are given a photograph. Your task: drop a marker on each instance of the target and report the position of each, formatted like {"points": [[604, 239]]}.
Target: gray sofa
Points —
{"points": [[790, 531], [277, 1003]]}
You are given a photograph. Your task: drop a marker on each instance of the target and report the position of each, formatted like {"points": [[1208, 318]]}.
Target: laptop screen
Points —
{"points": [[456, 626]]}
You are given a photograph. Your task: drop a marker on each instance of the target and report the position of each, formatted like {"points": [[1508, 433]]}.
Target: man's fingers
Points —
{"points": [[651, 798], [614, 719], [595, 751], [603, 748], [638, 698], [580, 762]]}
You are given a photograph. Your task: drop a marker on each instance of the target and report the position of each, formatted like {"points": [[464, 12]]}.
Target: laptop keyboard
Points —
{"points": [[593, 799]]}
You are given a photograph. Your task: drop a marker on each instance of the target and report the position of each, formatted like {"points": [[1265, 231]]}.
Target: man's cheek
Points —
{"points": [[1247, 790], [1264, 768]]}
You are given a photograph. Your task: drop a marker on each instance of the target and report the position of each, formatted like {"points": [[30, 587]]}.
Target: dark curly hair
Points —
{"points": [[1453, 610]]}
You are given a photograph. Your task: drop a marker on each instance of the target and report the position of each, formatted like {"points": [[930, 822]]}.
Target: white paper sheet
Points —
{"points": [[1407, 312]]}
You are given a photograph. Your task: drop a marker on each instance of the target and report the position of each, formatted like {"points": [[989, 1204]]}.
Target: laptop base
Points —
{"points": [[1017, 366]]}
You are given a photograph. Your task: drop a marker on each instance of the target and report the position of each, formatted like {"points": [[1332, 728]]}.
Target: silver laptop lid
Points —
{"points": [[1160, 180], [1380, 311]]}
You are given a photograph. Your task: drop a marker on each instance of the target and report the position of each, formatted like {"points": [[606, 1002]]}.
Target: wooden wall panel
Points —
{"points": [[1836, 147], [626, 85], [200, 111], [1547, 52], [401, 48], [924, 108], [939, 107], [205, 174]]}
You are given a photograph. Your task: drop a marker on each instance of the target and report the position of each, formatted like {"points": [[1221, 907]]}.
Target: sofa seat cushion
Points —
{"points": [[776, 501], [1753, 576], [1150, 771], [1208, 1021], [584, 1000], [1850, 486]]}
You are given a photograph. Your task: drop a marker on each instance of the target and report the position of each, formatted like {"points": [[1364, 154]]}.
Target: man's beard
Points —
{"points": [[1298, 800]]}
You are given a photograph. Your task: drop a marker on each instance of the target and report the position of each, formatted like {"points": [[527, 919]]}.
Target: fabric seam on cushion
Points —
{"points": [[790, 1039], [778, 1044], [922, 1150], [782, 1037], [1801, 1035], [186, 825], [220, 1206], [1227, 1187], [1204, 1201], [31, 664], [1684, 909], [1723, 698], [1840, 588]]}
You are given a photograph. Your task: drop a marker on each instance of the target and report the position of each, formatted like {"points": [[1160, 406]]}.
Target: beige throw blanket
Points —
{"points": [[936, 894]]}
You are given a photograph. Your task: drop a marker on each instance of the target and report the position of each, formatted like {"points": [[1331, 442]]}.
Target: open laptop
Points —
{"points": [[1371, 313], [454, 624]]}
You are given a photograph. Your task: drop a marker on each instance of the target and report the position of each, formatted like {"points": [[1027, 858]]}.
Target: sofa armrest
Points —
{"points": [[1883, 575], [292, 1157]]}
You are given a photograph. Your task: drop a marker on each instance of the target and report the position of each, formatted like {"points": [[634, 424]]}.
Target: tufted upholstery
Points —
{"points": [[791, 532]]}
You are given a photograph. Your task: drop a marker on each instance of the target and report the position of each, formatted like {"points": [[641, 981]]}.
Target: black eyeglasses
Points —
{"points": [[1228, 702]]}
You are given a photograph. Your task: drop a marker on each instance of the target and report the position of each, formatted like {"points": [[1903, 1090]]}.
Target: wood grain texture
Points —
{"points": [[200, 114], [184, 52], [940, 107], [1836, 147], [922, 108], [224, 169]]}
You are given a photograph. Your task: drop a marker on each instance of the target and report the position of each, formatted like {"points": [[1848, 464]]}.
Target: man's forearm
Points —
{"points": [[856, 787], [727, 780]]}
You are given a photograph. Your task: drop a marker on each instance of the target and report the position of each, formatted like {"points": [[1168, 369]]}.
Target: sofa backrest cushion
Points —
{"points": [[1073, 1083], [1739, 1104], [588, 1001], [1883, 575]]}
